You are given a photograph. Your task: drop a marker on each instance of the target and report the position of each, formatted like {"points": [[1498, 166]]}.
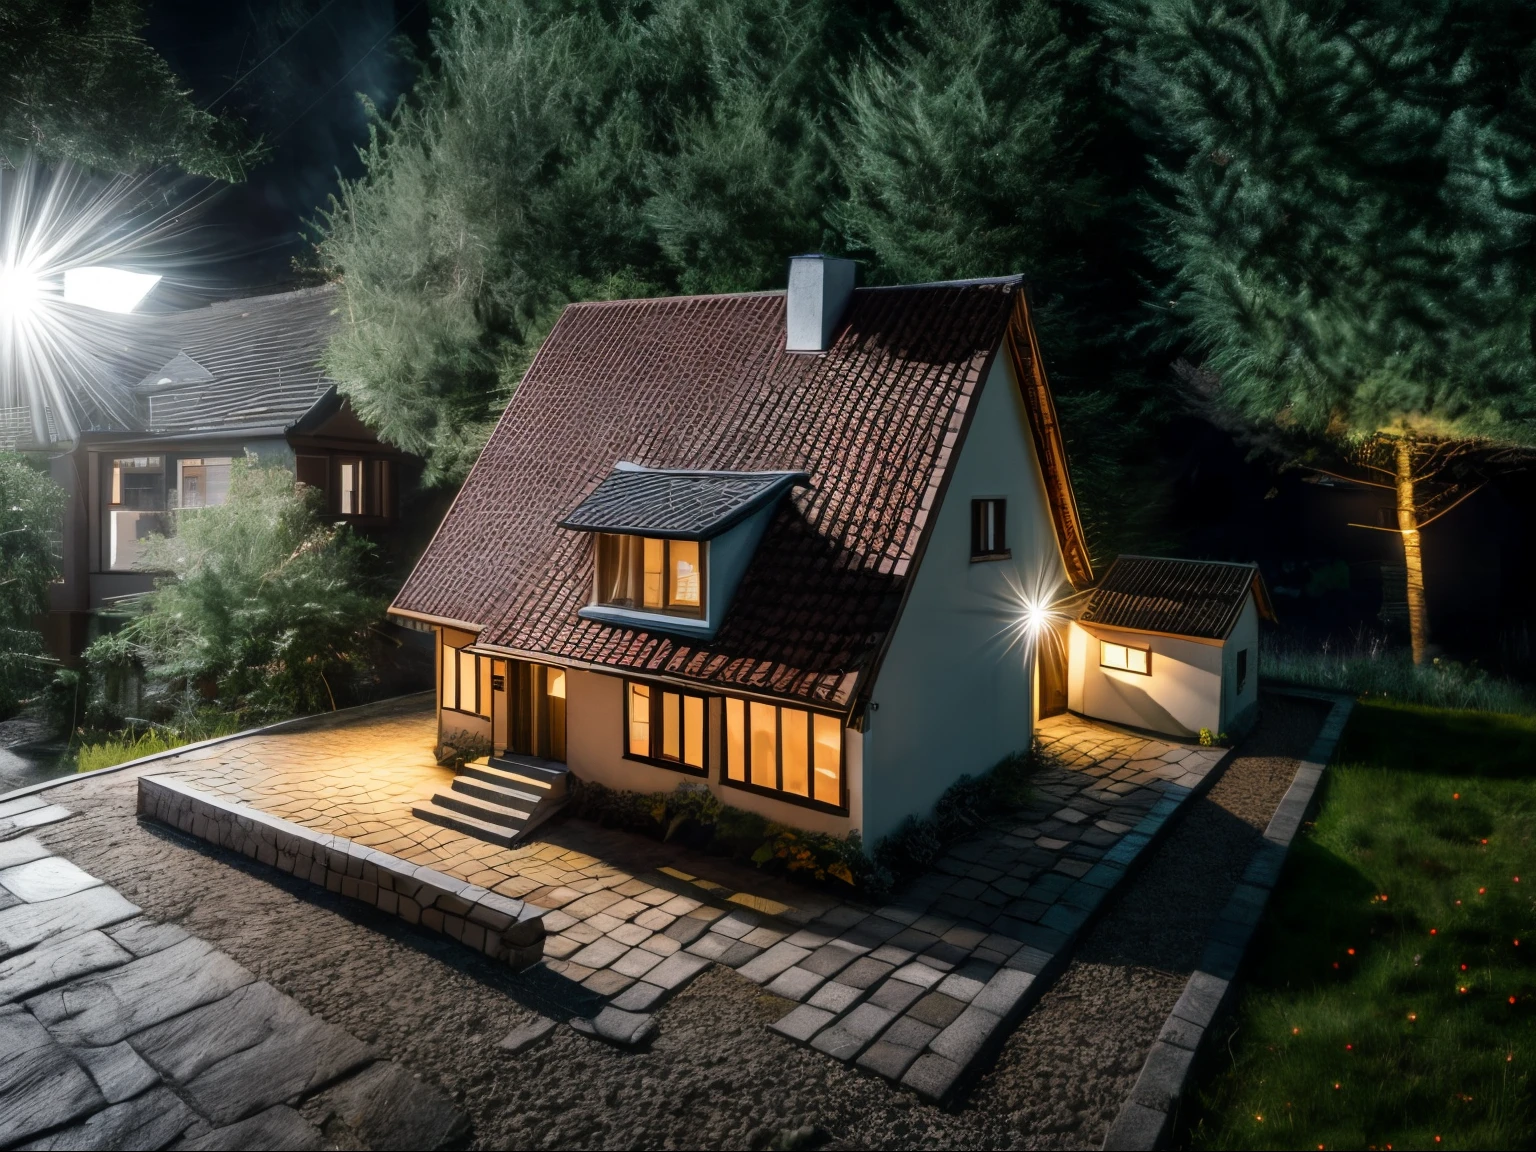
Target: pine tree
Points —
{"points": [[31, 511], [1345, 225]]}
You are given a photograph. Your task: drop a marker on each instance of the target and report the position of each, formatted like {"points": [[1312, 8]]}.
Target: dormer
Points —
{"points": [[670, 545]]}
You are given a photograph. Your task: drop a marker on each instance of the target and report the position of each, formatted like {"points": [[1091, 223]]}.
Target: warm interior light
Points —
{"points": [[107, 289], [20, 290]]}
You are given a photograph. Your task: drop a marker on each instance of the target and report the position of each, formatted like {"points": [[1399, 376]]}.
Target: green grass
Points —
{"points": [[1369, 667], [126, 746], [1358, 1026]]}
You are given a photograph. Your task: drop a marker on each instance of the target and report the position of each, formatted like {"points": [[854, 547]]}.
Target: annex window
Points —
{"points": [[665, 725], [1125, 658], [202, 482], [136, 503], [466, 680], [1242, 670], [790, 751], [364, 487], [650, 575], [989, 529]]}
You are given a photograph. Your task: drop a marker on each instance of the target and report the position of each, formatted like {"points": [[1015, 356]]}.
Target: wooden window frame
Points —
{"points": [[1128, 648], [746, 785], [699, 613], [997, 547], [656, 730], [481, 680]]}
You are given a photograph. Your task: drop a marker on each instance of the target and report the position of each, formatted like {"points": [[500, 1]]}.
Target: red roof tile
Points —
{"points": [[705, 383]]}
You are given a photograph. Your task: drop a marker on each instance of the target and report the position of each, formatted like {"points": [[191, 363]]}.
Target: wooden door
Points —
{"points": [[1051, 672], [498, 706]]}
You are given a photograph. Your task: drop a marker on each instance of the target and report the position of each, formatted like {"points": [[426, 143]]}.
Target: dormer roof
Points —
{"points": [[677, 503], [1201, 599]]}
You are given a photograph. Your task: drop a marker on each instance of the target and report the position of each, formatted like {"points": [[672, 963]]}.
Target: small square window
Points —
{"points": [[1124, 658], [989, 529]]}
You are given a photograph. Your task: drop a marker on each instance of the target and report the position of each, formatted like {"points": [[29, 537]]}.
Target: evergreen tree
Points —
{"points": [[81, 84], [1345, 223], [31, 511]]}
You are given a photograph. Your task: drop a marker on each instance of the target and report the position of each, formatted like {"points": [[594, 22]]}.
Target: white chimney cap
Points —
{"points": [[819, 288]]}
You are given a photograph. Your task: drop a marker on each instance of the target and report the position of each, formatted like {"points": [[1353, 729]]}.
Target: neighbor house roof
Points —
{"points": [[704, 384], [675, 502], [1197, 598]]}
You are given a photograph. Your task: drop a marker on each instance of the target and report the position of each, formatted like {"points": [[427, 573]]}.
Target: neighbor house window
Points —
{"points": [[1242, 670], [651, 575], [791, 751], [1125, 658], [989, 535], [466, 681], [363, 487], [136, 501], [202, 482], [665, 725]]}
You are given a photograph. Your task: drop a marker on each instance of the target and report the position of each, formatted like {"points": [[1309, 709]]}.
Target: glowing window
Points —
{"points": [[790, 751], [466, 680], [1125, 658], [665, 725], [650, 575]]}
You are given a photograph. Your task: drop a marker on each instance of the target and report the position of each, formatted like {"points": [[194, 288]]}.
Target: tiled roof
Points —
{"points": [[1199, 598], [252, 362], [705, 383], [675, 502]]}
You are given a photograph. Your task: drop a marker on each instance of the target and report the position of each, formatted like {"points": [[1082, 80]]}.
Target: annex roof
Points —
{"points": [[677, 502], [1196, 598], [704, 384]]}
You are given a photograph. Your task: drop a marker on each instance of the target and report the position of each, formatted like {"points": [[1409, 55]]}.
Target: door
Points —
{"points": [[1051, 672], [498, 706], [534, 723]]}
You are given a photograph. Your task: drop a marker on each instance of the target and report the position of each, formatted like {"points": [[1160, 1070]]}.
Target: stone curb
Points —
{"points": [[1147, 1115], [315, 720], [502, 928]]}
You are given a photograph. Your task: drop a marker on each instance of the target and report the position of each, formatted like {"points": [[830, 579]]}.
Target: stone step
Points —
{"points": [[519, 799], [435, 813], [507, 774], [491, 813], [548, 772]]}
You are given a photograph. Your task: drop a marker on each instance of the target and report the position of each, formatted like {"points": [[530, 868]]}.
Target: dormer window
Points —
{"points": [[646, 574], [670, 545]]}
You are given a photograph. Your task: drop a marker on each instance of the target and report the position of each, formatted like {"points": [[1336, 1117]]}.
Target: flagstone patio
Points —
{"points": [[917, 991]]}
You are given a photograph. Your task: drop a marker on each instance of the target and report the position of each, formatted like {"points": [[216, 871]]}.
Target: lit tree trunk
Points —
{"points": [[1413, 556]]}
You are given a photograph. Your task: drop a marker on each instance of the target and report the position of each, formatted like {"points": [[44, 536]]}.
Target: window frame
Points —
{"points": [[682, 613], [746, 784], [1129, 648], [983, 549], [482, 679], [657, 729], [1241, 670]]}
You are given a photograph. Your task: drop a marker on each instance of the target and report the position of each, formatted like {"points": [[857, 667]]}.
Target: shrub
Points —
{"points": [[1368, 666], [30, 509], [131, 744]]}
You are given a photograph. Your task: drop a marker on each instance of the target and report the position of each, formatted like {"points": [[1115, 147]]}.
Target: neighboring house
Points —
{"points": [[786, 546], [201, 388], [1170, 645]]}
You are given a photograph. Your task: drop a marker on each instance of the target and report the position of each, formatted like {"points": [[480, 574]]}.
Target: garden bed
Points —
{"points": [[1388, 1003]]}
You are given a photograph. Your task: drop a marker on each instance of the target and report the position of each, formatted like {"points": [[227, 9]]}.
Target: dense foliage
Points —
{"points": [[265, 609], [81, 84], [31, 508]]}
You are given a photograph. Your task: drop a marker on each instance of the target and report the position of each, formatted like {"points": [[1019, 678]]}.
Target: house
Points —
{"points": [[789, 546], [1171, 646], [191, 391]]}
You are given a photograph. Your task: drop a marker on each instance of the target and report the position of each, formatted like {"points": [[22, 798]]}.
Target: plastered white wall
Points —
{"points": [[1239, 709], [1180, 697], [954, 693], [594, 734]]}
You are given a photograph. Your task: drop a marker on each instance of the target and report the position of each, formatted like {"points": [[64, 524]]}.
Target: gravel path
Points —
{"points": [[714, 1077]]}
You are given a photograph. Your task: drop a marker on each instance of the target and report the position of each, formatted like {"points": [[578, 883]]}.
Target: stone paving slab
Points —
{"points": [[121, 1033]]}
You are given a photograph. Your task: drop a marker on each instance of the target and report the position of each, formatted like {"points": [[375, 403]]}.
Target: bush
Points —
{"points": [[31, 506], [1367, 666], [131, 745]]}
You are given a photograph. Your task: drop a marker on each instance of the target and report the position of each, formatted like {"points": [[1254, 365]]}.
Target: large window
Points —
{"points": [[790, 751], [466, 681], [136, 503], [650, 575], [989, 529], [202, 482], [665, 725], [1124, 658]]}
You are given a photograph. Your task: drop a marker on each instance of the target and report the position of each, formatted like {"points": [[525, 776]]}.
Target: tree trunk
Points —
{"points": [[1413, 556]]}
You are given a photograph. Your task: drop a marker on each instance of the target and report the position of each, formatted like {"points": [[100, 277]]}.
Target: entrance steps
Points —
{"points": [[499, 799]]}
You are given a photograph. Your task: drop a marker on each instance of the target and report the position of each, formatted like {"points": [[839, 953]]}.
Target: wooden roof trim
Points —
{"points": [[1050, 450]]}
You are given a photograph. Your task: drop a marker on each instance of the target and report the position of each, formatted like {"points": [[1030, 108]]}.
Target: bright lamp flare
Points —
{"points": [[21, 291], [107, 289]]}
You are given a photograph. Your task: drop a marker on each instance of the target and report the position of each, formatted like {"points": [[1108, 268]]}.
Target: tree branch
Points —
{"points": [[1443, 511]]}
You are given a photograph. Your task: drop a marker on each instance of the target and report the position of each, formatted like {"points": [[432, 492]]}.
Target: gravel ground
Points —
{"points": [[714, 1077]]}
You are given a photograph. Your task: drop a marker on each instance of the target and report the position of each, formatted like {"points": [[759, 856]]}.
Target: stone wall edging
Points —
{"points": [[1147, 1116], [499, 926]]}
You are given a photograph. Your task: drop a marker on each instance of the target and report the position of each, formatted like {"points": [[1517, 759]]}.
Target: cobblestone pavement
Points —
{"points": [[914, 991], [120, 1032]]}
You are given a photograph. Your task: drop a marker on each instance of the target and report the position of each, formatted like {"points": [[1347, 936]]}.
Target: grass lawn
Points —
{"points": [[1390, 999]]}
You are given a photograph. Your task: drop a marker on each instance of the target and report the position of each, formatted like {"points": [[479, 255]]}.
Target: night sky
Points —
{"points": [[292, 70]]}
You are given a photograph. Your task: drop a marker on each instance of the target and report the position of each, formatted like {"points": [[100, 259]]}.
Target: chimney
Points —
{"points": [[819, 287]]}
